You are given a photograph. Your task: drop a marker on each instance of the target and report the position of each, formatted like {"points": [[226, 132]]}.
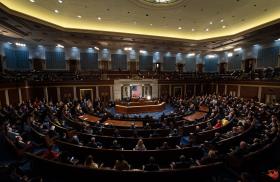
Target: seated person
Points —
{"points": [[49, 153], [121, 164], [210, 158], [75, 140], [182, 163], [116, 145], [140, 145], [94, 144], [241, 150], [164, 146], [219, 124], [151, 165], [89, 162]]}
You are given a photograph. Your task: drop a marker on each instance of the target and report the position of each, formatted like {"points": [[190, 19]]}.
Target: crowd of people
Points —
{"points": [[18, 121], [39, 76]]}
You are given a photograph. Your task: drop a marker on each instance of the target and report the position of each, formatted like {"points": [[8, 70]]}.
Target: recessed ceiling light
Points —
{"points": [[193, 29], [224, 26], [60, 1], [99, 18], [33, 1], [207, 29], [56, 11], [237, 49], [20, 44], [151, 24], [210, 22], [79, 16], [180, 28], [222, 20], [96, 48], [59, 46]]}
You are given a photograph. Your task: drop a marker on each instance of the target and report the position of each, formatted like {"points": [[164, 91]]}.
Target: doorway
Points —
{"points": [[86, 94]]}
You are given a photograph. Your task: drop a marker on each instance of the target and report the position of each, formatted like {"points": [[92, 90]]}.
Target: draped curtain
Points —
{"points": [[190, 64], [89, 61], [268, 57], [17, 59], [211, 65], [169, 63], [55, 60], [234, 62], [145, 63], [119, 61]]}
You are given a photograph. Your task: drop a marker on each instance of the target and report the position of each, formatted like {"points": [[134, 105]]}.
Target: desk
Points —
{"points": [[139, 108]]}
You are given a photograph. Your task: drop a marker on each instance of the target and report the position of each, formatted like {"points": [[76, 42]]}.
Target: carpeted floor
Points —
{"points": [[156, 115]]}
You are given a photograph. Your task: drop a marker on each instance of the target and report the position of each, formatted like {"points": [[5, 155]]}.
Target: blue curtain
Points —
{"points": [[145, 63], [268, 57], [190, 64], [89, 61], [234, 62], [55, 60], [17, 59], [169, 63], [211, 64], [119, 61]]}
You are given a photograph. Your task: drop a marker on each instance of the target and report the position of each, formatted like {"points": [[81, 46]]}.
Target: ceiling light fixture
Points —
{"points": [[237, 49], [59, 46], [56, 11], [224, 26], [96, 48], [128, 48], [79, 16], [222, 20], [207, 29], [180, 28], [20, 44], [151, 24], [33, 1], [210, 22], [211, 56], [142, 51], [277, 39], [60, 1], [229, 54], [190, 54], [193, 29], [99, 18]]}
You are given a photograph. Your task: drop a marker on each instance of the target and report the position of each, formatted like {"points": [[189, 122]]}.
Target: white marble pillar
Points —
{"points": [[19, 95], [7, 97]]}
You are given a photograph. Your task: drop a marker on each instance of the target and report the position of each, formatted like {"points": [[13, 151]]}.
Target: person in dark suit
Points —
{"points": [[182, 163], [151, 165]]}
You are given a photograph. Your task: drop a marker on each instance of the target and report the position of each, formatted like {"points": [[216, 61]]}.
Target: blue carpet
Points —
{"points": [[156, 115]]}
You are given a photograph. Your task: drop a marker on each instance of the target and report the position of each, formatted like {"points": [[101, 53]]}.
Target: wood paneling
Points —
{"points": [[190, 90], [2, 98], [232, 88], [52, 94], [248, 92], [25, 94], [104, 93], [13, 96], [164, 90], [66, 92], [270, 91], [221, 89], [36, 93]]}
